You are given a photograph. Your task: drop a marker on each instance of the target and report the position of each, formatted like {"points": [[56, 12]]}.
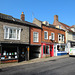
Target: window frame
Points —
{"points": [[12, 28], [53, 35], [60, 38], [47, 35], [36, 37]]}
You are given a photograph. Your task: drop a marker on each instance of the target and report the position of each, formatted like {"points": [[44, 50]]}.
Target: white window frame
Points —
{"points": [[59, 26], [63, 38], [60, 38], [53, 35], [37, 37], [9, 27], [44, 34]]}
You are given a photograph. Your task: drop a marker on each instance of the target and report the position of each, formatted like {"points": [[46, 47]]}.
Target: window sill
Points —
{"points": [[11, 39]]}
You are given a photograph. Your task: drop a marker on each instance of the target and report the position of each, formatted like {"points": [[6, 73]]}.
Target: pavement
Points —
{"points": [[32, 61]]}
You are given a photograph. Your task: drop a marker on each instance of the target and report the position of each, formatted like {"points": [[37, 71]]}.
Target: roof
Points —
{"points": [[10, 18], [72, 26], [65, 25], [50, 25]]}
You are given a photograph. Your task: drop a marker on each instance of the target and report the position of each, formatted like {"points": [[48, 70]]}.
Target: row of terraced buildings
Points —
{"points": [[21, 40]]}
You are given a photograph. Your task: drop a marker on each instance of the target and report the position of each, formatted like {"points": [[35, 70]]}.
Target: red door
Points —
{"points": [[51, 51]]}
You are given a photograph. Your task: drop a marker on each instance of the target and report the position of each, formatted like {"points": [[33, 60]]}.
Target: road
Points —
{"points": [[64, 66]]}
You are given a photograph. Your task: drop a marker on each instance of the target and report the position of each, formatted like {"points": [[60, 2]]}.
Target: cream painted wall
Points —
{"points": [[69, 36]]}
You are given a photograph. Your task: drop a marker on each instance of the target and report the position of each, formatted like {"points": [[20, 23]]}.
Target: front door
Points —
{"points": [[51, 50], [22, 54]]}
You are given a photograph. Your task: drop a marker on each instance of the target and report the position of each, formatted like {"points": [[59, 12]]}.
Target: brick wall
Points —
{"points": [[56, 31], [32, 29]]}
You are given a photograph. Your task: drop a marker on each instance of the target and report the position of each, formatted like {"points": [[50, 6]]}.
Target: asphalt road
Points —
{"points": [[64, 66]]}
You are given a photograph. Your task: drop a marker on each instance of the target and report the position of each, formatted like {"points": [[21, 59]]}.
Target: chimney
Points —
{"points": [[22, 17], [55, 17]]}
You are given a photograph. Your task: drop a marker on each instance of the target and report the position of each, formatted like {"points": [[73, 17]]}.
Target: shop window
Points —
{"points": [[9, 53], [35, 37], [52, 36], [12, 33], [61, 47], [45, 49], [45, 35]]}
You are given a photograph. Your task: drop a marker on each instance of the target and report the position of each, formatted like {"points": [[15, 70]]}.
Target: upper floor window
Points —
{"points": [[52, 36], [73, 36], [12, 33], [60, 37], [59, 26], [45, 35], [35, 37]]}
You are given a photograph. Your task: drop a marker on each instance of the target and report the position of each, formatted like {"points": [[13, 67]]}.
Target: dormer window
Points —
{"points": [[59, 26]]}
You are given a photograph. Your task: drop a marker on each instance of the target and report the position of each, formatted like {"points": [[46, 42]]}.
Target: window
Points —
{"points": [[46, 49], [62, 37], [35, 37], [12, 33], [73, 36], [59, 37], [61, 47], [59, 27], [52, 36], [45, 35]]}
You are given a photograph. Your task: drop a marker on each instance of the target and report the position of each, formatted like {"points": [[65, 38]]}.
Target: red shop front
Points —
{"points": [[47, 50]]}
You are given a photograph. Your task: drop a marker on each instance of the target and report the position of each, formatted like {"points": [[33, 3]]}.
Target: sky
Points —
{"points": [[43, 10]]}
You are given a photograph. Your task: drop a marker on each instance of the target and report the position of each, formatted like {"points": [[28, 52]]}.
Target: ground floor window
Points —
{"points": [[61, 47], [46, 49], [9, 53], [73, 44]]}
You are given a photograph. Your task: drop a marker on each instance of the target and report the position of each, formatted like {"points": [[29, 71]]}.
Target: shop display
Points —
{"points": [[15, 56], [9, 55], [4, 53]]}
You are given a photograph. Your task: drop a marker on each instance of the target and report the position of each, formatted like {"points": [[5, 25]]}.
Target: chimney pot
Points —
{"points": [[22, 16]]}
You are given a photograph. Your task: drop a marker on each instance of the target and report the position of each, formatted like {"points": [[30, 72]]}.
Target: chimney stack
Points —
{"points": [[22, 17], [55, 17]]}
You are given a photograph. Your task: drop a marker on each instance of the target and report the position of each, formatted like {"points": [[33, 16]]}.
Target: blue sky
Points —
{"points": [[43, 10]]}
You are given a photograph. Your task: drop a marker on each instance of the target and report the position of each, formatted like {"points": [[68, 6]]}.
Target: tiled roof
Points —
{"points": [[65, 25], [10, 18], [72, 26]]}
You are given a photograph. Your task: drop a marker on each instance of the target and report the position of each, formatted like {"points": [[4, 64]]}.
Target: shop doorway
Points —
{"points": [[34, 52], [22, 54]]}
